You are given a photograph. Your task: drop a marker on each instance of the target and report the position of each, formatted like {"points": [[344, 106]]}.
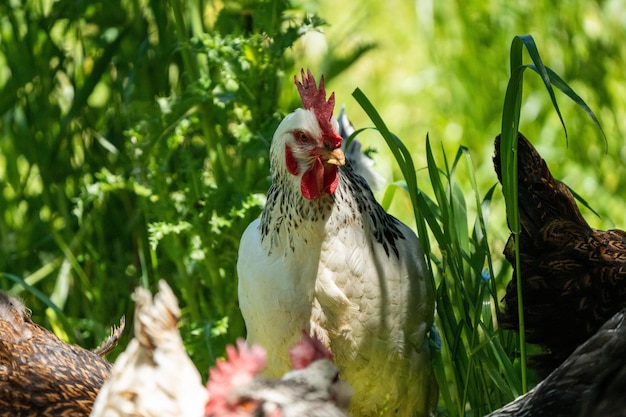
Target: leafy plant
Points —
{"points": [[134, 147]]}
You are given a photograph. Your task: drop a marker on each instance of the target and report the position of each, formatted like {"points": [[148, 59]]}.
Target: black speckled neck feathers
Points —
{"points": [[288, 215]]}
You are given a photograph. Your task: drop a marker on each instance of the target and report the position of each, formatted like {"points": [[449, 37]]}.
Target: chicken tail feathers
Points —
{"points": [[154, 318], [109, 344]]}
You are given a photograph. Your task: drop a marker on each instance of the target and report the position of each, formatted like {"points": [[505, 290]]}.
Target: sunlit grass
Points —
{"points": [[475, 362]]}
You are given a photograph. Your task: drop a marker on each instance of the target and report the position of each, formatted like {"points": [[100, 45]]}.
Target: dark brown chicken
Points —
{"points": [[591, 382], [42, 376], [573, 276]]}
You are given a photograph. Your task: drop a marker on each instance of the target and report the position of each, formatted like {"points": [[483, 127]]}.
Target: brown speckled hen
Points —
{"points": [[573, 276], [42, 376]]}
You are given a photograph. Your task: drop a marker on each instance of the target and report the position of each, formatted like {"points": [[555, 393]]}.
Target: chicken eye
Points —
{"points": [[248, 405], [301, 136]]}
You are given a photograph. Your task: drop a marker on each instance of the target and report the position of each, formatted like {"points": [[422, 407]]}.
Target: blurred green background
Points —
{"points": [[134, 134], [442, 67]]}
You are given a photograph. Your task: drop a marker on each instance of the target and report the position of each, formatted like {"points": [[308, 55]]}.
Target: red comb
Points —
{"points": [[314, 99], [308, 350]]}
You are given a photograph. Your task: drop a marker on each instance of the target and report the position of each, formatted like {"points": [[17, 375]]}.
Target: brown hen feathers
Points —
{"points": [[573, 276], [42, 376]]}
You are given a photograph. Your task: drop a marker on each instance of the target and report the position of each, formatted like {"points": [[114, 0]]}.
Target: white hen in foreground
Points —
{"points": [[153, 377], [326, 257]]}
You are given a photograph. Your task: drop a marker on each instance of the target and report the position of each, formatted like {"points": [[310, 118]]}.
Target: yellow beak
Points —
{"points": [[336, 157]]}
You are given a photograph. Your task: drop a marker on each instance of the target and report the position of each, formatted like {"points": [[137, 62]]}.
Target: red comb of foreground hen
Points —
{"points": [[239, 368], [573, 276], [236, 388], [41, 375], [326, 257], [308, 350]]}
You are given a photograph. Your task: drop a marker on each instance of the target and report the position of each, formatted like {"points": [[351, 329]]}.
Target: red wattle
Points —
{"points": [[312, 181], [331, 179], [319, 179]]}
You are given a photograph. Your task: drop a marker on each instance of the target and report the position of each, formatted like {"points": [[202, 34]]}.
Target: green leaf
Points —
{"points": [[567, 90], [403, 157], [533, 52]]}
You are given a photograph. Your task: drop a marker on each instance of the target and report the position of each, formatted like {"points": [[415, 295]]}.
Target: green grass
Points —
{"points": [[476, 363]]}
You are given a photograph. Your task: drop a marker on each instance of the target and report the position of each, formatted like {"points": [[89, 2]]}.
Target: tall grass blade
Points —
{"points": [[510, 127], [559, 83], [508, 156], [403, 157], [533, 52]]}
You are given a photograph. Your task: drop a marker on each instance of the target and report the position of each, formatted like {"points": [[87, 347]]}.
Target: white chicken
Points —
{"points": [[326, 257], [153, 377]]}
